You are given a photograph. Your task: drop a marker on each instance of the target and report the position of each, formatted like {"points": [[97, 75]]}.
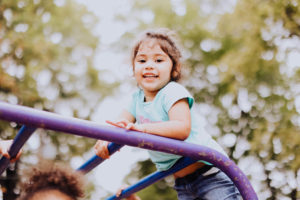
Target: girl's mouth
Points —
{"points": [[150, 76]]}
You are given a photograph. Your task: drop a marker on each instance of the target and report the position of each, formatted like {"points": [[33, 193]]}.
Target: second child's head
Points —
{"points": [[50, 181], [156, 59]]}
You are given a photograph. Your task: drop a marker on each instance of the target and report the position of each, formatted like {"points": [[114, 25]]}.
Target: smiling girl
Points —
{"points": [[163, 107]]}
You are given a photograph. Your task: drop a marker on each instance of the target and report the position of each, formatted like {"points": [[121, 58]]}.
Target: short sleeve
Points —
{"points": [[174, 92]]}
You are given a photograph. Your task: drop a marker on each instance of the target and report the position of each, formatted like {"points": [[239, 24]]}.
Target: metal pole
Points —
{"points": [[85, 128], [22, 136], [152, 178]]}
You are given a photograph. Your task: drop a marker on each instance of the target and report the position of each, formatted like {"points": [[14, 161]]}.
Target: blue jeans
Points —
{"points": [[216, 186]]}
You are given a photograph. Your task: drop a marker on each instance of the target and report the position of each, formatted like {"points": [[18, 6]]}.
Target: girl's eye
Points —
{"points": [[141, 61], [159, 60]]}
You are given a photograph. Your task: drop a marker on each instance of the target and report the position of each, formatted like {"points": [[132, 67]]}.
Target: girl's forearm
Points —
{"points": [[172, 129]]}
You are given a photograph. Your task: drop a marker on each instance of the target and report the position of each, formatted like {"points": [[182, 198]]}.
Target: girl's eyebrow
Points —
{"points": [[160, 54], [145, 55], [140, 54]]}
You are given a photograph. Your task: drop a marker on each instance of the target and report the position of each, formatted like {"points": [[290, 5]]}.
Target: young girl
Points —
{"points": [[163, 107]]}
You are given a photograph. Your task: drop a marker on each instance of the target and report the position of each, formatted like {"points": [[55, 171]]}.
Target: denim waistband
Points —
{"points": [[193, 176]]}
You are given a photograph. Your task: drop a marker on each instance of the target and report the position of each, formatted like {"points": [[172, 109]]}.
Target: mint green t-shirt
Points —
{"points": [[157, 111]]}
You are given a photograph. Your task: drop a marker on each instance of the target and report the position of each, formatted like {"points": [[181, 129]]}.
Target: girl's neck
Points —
{"points": [[149, 96]]}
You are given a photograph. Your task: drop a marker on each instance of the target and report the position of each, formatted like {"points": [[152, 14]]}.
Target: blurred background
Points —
{"points": [[242, 64]]}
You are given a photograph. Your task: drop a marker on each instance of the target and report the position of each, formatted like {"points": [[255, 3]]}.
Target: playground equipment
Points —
{"points": [[32, 119]]}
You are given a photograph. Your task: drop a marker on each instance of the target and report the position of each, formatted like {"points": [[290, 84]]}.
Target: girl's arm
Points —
{"points": [[100, 147], [178, 126]]}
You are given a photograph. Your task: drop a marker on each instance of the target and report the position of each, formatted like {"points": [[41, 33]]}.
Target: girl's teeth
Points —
{"points": [[147, 76]]}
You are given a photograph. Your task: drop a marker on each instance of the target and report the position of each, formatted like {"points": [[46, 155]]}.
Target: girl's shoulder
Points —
{"points": [[173, 92], [174, 87]]}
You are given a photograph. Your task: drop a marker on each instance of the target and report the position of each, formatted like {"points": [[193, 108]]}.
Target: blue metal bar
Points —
{"points": [[24, 133], [154, 177], [95, 160]]}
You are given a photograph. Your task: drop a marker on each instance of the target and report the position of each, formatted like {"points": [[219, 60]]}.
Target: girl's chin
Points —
{"points": [[152, 86], [150, 89]]}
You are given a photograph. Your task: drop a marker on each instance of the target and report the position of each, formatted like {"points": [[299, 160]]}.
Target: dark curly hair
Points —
{"points": [[52, 176]]}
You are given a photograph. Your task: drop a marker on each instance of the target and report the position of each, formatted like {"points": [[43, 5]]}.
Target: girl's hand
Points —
{"points": [[127, 125], [4, 148], [135, 127], [120, 124], [101, 149], [131, 197]]}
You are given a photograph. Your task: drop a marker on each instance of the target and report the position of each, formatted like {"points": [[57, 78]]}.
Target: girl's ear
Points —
{"points": [[175, 74]]}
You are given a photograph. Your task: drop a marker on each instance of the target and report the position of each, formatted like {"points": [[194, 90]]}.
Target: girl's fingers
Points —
{"points": [[17, 157], [129, 126], [135, 127], [123, 122], [104, 150], [119, 192], [132, 126], [117, 124], [101, 149], [5, 154]]}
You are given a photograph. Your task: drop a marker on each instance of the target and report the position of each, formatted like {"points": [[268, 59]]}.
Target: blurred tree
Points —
{"points": [[240, 66], [46, 62]]}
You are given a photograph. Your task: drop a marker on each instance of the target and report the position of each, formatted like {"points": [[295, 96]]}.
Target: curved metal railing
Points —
{"points": [[32, 119]]}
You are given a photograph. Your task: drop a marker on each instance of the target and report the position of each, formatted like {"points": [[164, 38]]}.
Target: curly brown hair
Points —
{"points": [[52, 176], [167, 40]]}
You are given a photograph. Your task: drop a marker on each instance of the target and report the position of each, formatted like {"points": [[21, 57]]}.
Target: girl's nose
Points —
{"points": [[149, 65]]}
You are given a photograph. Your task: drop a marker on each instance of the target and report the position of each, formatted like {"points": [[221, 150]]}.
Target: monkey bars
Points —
{"points": [[32, 119]]}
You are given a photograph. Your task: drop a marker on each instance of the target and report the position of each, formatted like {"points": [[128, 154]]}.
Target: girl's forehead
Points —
{"points": [[149, 42], [150, 46]]}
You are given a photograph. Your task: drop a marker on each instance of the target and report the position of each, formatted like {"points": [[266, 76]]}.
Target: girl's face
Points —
{"points": [[152, 68], [50, 194]]}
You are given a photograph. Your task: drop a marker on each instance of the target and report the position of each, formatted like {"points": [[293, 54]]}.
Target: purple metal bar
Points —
{"points": [[95, 160], [20, 139], [152, 178], [85, 128]]}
